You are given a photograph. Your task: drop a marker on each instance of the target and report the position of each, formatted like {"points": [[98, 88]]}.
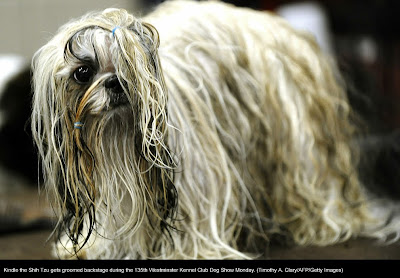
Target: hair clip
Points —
{"points": [[78, 125], [113, 30]]}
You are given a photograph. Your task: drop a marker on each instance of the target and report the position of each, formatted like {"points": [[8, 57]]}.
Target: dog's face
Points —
{"points": [[100, 105], [95, 68], [90, 71], [100, 68]]}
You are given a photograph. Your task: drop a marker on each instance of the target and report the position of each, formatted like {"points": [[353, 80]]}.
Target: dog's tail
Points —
{"points": [[380, 172]]}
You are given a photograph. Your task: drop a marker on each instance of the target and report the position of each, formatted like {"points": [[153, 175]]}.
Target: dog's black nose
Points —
{"points": [[113, 83]]}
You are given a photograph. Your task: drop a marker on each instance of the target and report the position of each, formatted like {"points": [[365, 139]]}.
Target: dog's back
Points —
{"points": [[266, 97]]}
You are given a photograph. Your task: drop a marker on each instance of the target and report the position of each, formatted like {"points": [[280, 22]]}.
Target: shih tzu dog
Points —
{"points": [[199, 131]]}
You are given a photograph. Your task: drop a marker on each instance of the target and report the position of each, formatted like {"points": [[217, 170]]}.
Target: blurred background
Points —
{"points": [[362, 35], [28, 24]]}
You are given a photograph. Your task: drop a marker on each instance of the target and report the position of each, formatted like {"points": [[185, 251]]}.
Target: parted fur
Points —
{"points": [[233, 128]]}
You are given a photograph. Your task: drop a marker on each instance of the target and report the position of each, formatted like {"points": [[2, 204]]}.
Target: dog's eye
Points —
{"points": [[83, 74]]}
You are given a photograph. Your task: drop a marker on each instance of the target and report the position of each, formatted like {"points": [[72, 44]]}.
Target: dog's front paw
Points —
{"points": [[68, 252]]}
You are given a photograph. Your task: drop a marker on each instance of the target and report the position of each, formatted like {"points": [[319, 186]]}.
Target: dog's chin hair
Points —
{"points": [[113, 115], [237, 129]]}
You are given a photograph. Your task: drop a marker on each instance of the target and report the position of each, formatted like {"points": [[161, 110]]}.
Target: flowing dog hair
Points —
{"points": [[235, 129]]}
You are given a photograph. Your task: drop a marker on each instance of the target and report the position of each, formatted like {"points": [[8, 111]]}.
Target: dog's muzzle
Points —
{"points": [[115, 91]]}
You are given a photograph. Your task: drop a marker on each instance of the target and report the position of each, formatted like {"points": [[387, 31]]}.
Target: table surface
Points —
{"points": [[30, 242], [34, 245]]}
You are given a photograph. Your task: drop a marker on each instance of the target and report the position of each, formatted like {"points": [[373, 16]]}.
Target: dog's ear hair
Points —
{"points": [[52, 130], [162, 174], [139, 68], [152, 41], [46, 107], [148, 34], [149, 39]]}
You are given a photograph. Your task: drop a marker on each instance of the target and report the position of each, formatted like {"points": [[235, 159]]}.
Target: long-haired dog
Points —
{"points": [[200, 131]]}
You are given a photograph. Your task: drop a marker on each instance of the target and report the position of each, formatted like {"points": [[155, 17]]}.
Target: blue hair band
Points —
{"points": [[78, 125], [113, 30]]}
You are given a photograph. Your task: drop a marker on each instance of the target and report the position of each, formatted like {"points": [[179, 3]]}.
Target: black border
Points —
{"points": [[60, 268]]}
